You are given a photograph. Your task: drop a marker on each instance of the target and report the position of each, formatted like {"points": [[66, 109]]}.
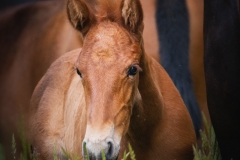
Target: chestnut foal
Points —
{"points": [[109, 93]]}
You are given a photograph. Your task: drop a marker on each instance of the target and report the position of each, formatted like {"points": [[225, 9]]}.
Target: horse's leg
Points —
{"points": [[173, 30], [195, 9], [222, 68]]}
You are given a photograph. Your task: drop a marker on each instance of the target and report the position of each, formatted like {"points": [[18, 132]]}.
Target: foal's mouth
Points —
{"points": [[104, 149]]}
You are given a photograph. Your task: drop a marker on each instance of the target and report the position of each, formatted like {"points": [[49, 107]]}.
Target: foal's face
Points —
{"points": [[108, 66]]}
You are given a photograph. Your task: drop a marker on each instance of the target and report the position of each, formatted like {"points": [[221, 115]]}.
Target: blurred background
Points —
{"points": [[8, 3]]}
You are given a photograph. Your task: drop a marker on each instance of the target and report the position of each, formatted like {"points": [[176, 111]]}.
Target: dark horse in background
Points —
{"points": [[174, 36], [221, 63], [222, 69], [221, 60]]}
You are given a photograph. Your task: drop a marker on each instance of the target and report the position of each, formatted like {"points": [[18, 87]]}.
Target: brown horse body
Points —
{"points": [[28, 47], [109, 93]]}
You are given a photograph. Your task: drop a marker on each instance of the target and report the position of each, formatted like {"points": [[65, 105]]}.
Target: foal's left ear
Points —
{"points": [[80, 16], [132, 14]]}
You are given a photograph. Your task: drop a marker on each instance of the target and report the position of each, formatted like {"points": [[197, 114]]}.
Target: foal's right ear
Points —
{"points": [[80, 16]]}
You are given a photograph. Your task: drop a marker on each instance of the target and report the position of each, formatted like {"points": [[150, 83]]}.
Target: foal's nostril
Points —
{"points": [[109, 152]]}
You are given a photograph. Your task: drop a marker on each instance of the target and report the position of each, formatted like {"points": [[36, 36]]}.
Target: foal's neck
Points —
{"points": [[146, 114]]}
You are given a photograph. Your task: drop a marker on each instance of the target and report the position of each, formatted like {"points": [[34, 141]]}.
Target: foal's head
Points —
{"points": [[108, 67]]}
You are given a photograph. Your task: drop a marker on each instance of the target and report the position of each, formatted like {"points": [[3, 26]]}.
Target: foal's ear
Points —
{"points": [[132, 14], [80, 16]]}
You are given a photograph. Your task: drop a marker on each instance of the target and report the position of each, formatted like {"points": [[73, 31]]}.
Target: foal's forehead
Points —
{"points": [[109, 39], [109, 44]]}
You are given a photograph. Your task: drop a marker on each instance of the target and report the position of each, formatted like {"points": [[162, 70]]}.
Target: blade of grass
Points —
{"points": [[131, 152], [85, 152], [125, 155], [55, 152], [209, 149], [75, 157], [14, 150], [103, 155], [66, 154]]}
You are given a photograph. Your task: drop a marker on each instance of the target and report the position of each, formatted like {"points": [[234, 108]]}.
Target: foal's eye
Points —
{"points": [[79, 73], [132, 71]]}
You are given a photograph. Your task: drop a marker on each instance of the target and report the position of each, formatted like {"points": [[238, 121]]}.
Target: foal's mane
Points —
{"points": [[109, 10]]}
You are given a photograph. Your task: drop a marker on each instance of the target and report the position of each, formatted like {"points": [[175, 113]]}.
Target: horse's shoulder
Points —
{"points": [[58, 77], [173, 103], [66, 60], [63, 67], [161, 77]]}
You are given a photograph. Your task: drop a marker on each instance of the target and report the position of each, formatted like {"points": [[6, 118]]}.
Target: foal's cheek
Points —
{"points": [[121, 127]]}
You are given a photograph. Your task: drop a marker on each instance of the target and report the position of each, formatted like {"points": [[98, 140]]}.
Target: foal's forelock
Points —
{"points": [[108, 10]]}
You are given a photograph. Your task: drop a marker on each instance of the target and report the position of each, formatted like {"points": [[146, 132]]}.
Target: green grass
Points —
{"points": [[208, 150], [130, 154], [14, 150]]}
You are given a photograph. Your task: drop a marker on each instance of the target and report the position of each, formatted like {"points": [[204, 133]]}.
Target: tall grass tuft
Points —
{"points": [[67, 156], [25, 154], [131, 152], [125, 155], [2, 156], [209, 147], [25, 145]]}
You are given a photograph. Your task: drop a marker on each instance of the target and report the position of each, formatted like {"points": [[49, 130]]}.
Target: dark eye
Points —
{"points": [[132, 71], [79, 73]]}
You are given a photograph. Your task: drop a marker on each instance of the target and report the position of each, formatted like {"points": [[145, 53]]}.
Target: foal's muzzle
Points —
{"points": [[95, 149]]}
